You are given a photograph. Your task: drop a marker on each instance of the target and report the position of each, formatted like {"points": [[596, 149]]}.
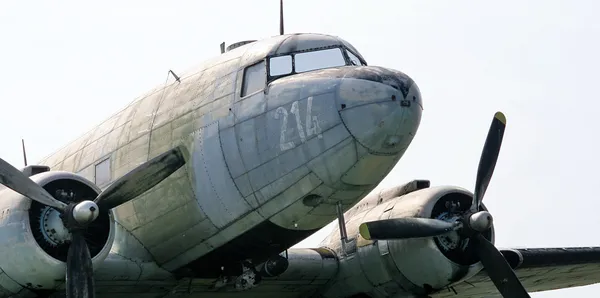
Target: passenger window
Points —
{"points": [[255, 78], [281, 65], [353, 59], [319, 59], [103, 172]]}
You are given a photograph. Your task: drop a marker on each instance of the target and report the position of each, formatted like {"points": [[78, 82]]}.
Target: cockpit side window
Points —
{"points": [[354, 59], [314, 60], [255, 78]]}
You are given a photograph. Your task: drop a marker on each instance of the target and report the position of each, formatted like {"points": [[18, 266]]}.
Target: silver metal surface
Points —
{"points": [[291, 155], [250, 159]]}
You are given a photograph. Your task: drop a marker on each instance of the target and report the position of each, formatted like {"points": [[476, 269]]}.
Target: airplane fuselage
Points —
{"points": [[272, 145], [262, 146]]}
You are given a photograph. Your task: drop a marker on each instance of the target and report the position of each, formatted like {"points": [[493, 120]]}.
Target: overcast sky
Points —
{"points": [[66, 66]]}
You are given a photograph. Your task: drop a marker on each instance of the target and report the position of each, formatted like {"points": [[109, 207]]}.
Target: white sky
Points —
{"points": [[66, 66]]}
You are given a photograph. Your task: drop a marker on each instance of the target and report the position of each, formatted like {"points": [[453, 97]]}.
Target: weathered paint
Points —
{"points": [[247, 168]]}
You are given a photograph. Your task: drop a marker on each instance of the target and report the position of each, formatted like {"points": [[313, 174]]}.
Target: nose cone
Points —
{"points": [[381, 108]]}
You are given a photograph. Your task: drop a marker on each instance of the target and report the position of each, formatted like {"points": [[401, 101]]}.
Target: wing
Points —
{"points": [[306, 271], [539, 269]]}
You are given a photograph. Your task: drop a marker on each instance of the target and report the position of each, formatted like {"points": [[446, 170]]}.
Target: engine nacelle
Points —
{"points": [[417, 266], [434, 262], [33, 241]]}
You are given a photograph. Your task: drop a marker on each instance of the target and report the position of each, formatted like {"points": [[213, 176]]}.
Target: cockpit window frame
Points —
{"points": [[363, 62], [342, 48]]}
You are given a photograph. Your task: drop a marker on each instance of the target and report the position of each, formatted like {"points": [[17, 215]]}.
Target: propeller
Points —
{"points": [[472, 224], [78, 215]]}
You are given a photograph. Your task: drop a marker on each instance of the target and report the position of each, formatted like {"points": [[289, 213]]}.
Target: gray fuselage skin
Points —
{"points": [[264, 170]]}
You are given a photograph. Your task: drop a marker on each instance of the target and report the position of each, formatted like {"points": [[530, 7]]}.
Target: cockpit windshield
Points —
{"points": [[311, 60], [314, 60]]}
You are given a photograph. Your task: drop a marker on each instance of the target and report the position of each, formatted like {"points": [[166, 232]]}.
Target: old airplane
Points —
{"points": [[201, 187]]}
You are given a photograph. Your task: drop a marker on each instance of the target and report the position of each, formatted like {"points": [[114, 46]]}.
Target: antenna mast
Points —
{"points": [[280, 17], [24, 153], [241, 43], [174, 75]]}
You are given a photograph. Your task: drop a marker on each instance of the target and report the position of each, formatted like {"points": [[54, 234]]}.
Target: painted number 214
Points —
{"points": [[312, 124]]}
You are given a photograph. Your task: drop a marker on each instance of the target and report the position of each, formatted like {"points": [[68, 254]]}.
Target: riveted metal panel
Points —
{"points": [[215, 189]]}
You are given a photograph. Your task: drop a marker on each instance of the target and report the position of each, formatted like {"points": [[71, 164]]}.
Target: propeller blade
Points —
{"points": [[489, 156], [15, 180], [80, 273], [141, 179], [403, 228], [498, 269]]}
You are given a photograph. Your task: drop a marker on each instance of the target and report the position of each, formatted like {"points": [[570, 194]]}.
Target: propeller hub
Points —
{"points": [[481, 221], [85, 212]]}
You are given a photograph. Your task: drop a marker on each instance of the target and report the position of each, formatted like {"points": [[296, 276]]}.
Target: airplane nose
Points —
{"points": [[381, 108]]}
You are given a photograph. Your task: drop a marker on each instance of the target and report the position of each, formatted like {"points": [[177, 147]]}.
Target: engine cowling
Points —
{"points": [[421, 265], [33, 240]]}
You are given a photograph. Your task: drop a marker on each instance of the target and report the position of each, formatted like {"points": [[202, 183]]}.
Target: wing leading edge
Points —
{"points": [[310, 270], [305, 273], [539, 269]]}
